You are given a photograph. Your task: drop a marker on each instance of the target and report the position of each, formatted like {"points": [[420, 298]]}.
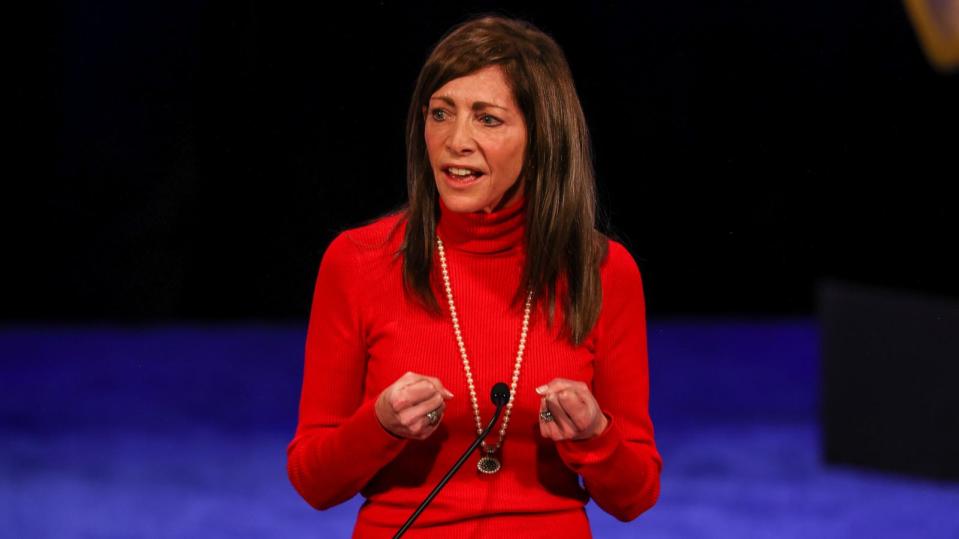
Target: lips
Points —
{"points": [[457, 169], [458, 180], [460, 175]]}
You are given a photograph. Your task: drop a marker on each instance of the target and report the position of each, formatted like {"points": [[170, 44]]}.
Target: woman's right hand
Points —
{"points": [[402, 407]]}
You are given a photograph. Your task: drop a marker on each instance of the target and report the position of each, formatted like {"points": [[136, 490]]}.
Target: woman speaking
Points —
{"points": [[491, 271]]}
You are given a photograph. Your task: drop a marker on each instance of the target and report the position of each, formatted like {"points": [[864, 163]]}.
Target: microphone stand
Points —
{"points": [[500, 396]]}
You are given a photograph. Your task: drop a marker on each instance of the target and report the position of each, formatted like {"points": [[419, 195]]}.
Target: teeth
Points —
{"points": [[461, 171]]}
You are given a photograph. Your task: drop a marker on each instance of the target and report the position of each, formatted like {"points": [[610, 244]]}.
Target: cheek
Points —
{"points": [[516, 156], [509, 155], [430, 140]]}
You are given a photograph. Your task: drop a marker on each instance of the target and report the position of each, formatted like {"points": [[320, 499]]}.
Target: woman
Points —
{"points": [[491, 272]]}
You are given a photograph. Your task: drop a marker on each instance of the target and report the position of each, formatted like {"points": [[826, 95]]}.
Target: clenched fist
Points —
{"points": [[402, 407], [576, 414]]}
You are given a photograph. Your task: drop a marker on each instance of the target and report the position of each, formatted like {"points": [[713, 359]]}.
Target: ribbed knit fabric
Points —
{"points": [[364, 334]]}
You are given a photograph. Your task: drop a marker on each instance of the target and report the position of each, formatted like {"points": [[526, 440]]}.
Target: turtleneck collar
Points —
{"points": [[481, 232]]}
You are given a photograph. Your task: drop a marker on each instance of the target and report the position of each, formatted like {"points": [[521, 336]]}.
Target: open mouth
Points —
{"points": [[462, 175]]}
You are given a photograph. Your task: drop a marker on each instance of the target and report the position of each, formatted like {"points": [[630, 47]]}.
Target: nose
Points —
{"points": [[461, 136]]}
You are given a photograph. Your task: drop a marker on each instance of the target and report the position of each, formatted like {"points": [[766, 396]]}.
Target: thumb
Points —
{"points": [[439, 385]]}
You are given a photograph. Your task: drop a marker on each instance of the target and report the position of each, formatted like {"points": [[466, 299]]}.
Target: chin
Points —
{"points": [[461, 203]]}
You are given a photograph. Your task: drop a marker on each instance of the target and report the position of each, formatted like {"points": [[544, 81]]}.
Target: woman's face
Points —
{"points": [[474, 126]]}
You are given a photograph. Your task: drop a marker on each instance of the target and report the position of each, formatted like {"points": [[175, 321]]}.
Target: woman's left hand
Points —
{"points": [[576, 414]]}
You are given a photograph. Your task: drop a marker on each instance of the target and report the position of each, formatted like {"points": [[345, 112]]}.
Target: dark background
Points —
{"points": [[192, 160], [177, 170]]}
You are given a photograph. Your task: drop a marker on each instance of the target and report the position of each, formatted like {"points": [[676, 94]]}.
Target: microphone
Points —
{"points": [[500, 396]]}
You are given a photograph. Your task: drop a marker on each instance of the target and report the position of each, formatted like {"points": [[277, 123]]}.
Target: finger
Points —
{"points": [[408, 378], [548, 428], [424, 387], [411, 377], [417, 414], [563, 423], [395, 397], [439, 386], [578, 408], [542, 422], [412, 394], [558, 384]]}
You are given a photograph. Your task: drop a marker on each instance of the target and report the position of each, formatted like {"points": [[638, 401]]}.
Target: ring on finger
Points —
{"points": [[546, 416], [433, 417]]}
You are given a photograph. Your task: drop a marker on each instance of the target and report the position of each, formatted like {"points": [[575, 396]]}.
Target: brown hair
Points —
{"points": [[562, 242]]}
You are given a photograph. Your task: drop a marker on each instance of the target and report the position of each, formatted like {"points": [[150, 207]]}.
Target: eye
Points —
{"points": [[438, 114], [486, 119]]}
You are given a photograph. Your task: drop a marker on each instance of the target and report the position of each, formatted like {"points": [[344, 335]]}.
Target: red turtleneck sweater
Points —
{"points": [[364, 334]]}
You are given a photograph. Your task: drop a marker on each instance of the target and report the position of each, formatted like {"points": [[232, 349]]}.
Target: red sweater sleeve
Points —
{"points": [[621, 466], [339, 443]]}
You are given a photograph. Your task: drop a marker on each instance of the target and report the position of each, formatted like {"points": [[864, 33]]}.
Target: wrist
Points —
{"points": [[601, 427], [376, 411], [379, 418]]}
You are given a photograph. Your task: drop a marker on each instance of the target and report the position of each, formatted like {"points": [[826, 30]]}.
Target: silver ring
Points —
{"points": [[433, 417], [546, 416]]}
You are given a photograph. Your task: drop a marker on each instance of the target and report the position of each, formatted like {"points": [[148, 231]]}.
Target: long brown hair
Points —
{"points": [[562, 241]]}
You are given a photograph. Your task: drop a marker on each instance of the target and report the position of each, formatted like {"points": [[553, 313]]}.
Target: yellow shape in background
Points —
{"points": [[937, 23]]}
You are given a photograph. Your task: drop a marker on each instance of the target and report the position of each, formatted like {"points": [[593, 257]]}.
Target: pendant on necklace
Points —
{"points": [[488, 464]]}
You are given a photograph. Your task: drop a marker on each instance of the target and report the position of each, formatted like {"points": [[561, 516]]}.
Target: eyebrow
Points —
{"points": [[477, 105]]}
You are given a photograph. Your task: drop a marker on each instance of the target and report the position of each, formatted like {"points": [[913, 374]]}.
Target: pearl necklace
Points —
{"points": [[487, 464]]}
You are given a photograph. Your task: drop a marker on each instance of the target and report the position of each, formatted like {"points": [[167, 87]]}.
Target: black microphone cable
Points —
{"points": [[500, 396]]}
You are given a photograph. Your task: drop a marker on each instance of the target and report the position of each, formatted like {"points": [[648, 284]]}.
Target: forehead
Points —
{"points": [[486, 84]]}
